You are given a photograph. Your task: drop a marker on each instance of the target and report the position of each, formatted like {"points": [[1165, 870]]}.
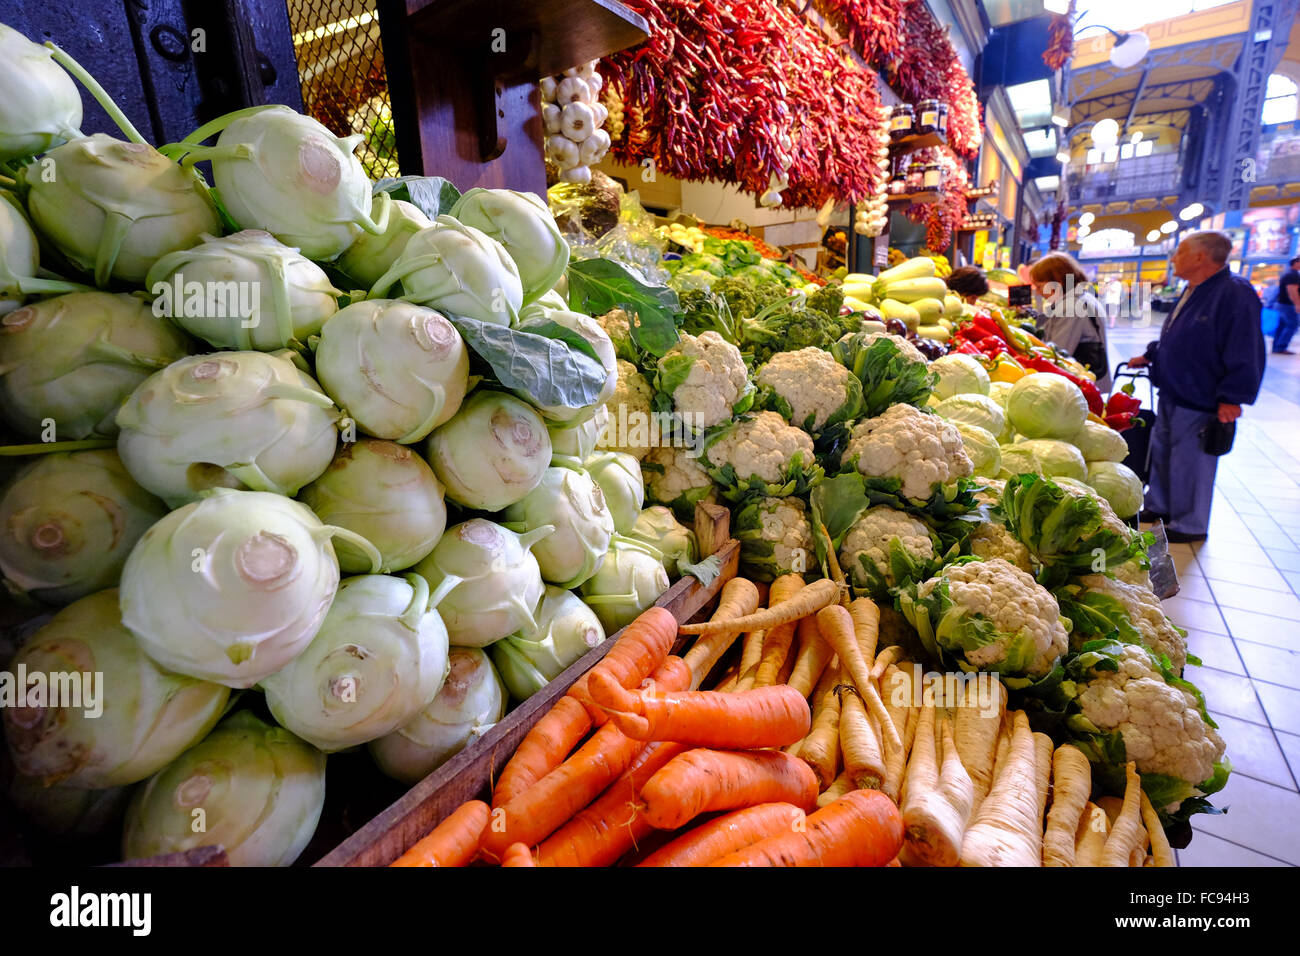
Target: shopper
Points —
{"points": [[1207, 363], [1072, 311], [1114, 295], [968, 282], [1288, 299]]}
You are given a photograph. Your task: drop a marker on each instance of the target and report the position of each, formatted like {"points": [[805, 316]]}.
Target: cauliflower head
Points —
{"points": [[991, 492], [618, 327], [810, 388], [991, 616], [706, 377], [1161, 724], [677, 478], [1146, 614], [891, 369], [762, 452], [775, 538], [885, 548], [922, 450], [631, 415], [992, 540]]}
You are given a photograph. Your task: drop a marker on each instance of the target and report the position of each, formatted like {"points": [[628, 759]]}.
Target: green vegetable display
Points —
{"points": [[565, 629]]}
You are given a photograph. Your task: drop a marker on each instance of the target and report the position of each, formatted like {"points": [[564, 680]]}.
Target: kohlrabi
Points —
{"points": [[258, 789], [589, 330], [577, 443], [570, 501], [231, 587], [68, 521], [115, 208], [659, 528], [400, 370], [523, 224], [471, 701], [284, 172], [378, 659], [132, 717], [68, 363], [20, 259], [566, 628], [455, 268], [630, 580], [41, 106], [228, 419], [387, 494], [496, 584], [620, 479], [369, 257], [245, 291], [494, 451], [68, 812]]}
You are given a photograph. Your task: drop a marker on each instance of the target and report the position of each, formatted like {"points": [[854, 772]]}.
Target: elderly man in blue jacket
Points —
{"points": [[1207, 363]]}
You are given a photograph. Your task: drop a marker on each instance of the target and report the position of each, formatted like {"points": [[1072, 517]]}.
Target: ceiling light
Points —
{"points": [[1061, 118], [1153, 235], [1084, 232], [1191, 212], [1136, 138], [1060, 7], [1170, 227], [1087, 219], [1129, 49], [1105, 132], [1063, 157]]}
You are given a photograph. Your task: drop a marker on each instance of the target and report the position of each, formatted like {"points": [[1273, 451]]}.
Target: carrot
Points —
{"points": [[739, 597], [763, 717], [727, 834], [1161, 853], [1127, 843], [1007, 830], [843, 784], [821, 748], [614, 824], [644, 645], [836, 627], [1090, 838], [1071, 785], [703, 781], [518, 854], [866, 627], [544, 748], [863, 761], [938, 800], [811, 599], [774, 642], [861, 828], [545, 806], [976, 730], [453, 842], [814, 655]]}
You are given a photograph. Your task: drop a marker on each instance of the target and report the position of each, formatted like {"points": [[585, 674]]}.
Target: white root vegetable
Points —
{"points": [[1127, 843], [1161, 852], [1008, 830], [1071, 785], [1043, 762], [976, 733], [577, 121], [1090, 838], [938, 800]]}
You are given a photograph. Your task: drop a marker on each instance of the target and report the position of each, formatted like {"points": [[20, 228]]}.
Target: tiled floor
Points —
{"points": [[1240, 601]]}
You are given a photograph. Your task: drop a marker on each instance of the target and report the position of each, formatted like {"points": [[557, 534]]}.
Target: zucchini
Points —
{"points": [[909, 290]]}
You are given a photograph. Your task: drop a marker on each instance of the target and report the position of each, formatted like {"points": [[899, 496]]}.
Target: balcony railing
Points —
{"points": [[1154, 175], [1279, 154]]}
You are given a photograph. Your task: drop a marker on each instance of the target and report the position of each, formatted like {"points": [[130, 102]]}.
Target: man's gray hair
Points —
{"points": [[1216, 245]]}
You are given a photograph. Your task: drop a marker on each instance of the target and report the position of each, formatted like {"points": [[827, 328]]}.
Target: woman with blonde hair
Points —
{"points": [[1073, 314]]}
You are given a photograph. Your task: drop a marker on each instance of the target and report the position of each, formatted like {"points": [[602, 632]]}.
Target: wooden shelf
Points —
{"points": [[910, 144], [926, 197]]}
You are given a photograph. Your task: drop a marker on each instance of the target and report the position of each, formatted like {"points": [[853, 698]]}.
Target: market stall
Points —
{"points": [[387, 498]]}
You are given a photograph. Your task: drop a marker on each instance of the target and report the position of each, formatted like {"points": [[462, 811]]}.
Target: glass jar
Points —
{"points": [[943, 120], [897, 185], [927, 117], [902, 121], [932, 176], [915, 176]]}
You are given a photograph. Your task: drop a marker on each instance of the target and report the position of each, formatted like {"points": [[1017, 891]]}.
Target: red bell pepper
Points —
{"points": [[964, 347], [1121, 402], [992, 346], [1089, 389], [1123, 420]]}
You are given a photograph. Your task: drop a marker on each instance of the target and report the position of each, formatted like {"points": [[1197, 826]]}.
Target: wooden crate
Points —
{"points": [[469, 775]]}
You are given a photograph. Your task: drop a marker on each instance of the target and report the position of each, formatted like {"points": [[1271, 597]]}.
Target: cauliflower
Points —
{"points": [[1161, 724], [990, 615], [868, 339], [991, 493], [706, 377], [676, 478], [1132, 572], [631, 418], [891, 369], [775, 538], [992, 540], [1145, 613], [619, 329], [885, 548], [810, 388], [921, 450], [763, 453]]}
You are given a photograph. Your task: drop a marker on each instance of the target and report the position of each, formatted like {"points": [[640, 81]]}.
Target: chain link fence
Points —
{"points": [[341, 68]]}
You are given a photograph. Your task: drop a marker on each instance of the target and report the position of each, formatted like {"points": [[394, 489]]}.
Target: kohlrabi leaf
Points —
{"points": [[552, 370], [598, 285], [432, 195]]}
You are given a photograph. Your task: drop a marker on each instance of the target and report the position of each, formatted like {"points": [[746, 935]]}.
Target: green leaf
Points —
{"points": [[549, 370], [432, 195], [598, 285]]}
